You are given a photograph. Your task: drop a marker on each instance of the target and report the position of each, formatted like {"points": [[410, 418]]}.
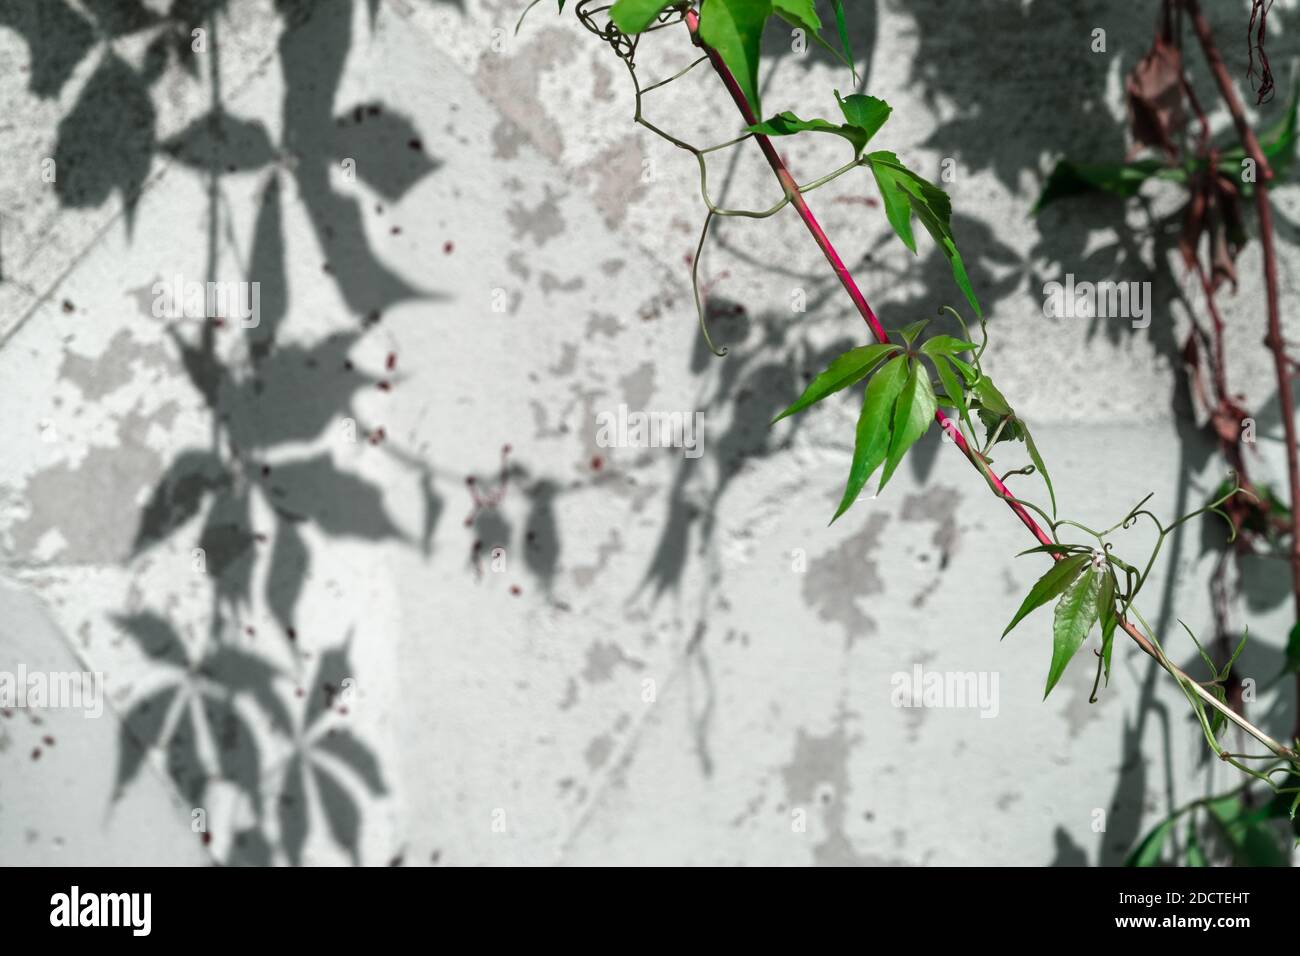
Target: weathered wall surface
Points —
{"points": [[400, 643]]}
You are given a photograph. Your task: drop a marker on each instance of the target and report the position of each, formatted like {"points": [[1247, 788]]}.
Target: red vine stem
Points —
{"points": [[1274, 338], [800, 205]]}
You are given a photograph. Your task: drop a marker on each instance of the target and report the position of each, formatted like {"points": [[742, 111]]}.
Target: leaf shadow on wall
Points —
{"points": [[221, 710]]}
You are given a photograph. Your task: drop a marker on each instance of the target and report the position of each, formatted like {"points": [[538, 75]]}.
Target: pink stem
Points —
{"points": [[842, 271]]}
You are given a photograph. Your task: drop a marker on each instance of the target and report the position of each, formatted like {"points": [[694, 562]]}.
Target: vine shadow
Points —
{"points": [[223, 712]]}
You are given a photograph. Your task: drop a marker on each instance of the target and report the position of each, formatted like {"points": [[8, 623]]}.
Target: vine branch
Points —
{"points": [[795, 198]]}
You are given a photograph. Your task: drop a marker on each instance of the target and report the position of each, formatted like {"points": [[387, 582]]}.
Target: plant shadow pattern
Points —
{"points": [[217, 711]]}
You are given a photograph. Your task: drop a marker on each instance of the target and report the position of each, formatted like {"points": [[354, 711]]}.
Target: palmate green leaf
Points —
{"points": [[634, 16], [872, 442], [1147, 853], [1056, 580], [1075, 615], [913, 415], [1109, 621], [904, 193], [851, 367], [734, 28]]}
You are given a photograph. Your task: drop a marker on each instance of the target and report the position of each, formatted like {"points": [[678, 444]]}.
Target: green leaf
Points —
{"points": [[1120, 179], [843, 30], [897, 201], [872, 443], [802, 14], [952, 385], [864, 114], [634, 16], [734, 28], [787, 124], [1209, 661], [1109, 620], [1279, 140], [1248, 833], [994, 425], [1147, 853], [867, 113], [990, 398], [1293, 651], [946, 345], [1286, 803], [940, 230], [967, 370], [851, 367], [1069, 179], [1195, 857], [910, 332], [1056, 580], [1037, 459], [1227, 668], [913, 416], [1075, 615], [903, 191]]}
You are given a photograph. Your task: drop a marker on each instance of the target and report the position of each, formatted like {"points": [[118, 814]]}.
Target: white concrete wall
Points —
{"points": [[503, 716]]}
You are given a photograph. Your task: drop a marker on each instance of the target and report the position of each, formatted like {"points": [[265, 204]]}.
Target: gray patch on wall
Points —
{"points": [[543, 222], [835, 581], [105, 484], [817, 776]]}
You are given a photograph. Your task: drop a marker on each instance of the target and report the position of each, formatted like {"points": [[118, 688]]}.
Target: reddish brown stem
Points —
{"points": [[1274, 339]]}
